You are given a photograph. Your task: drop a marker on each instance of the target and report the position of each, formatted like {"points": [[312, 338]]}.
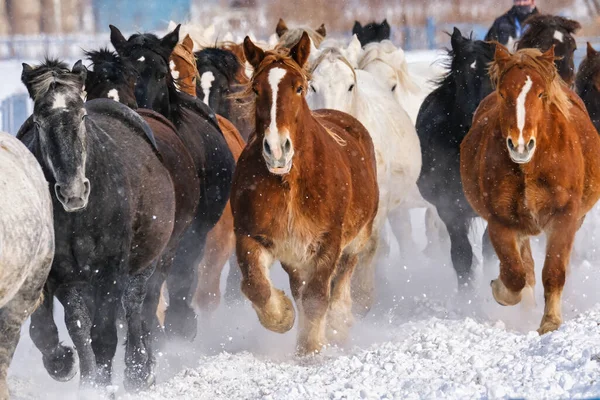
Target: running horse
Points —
{"points": [[304, 192], [531, 164], [587, 84]]}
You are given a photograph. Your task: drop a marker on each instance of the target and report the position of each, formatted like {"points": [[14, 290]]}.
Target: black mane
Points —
{"points": [[223, 60], [109, 66]]}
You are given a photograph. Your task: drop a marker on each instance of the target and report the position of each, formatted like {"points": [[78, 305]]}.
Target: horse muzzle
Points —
{"points": [[521, 154], [73, 197], [278, 158]]}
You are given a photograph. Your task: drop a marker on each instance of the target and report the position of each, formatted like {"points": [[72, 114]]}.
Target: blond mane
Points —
{"points": [[292, 36], [531, 58]]}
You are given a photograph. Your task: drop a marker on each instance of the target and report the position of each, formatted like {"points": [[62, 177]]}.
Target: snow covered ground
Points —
{"points": [[421, 340]]}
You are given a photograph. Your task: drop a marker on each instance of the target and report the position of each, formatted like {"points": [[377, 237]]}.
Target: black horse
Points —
{"points": [[114, 208], [197, 127], [544, 31], [587, 84], [372, 32], [443, 121], [228, 79]]}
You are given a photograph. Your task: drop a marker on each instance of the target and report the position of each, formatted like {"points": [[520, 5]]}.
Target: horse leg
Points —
{"points": [[139, 358], [507, 290], [529, 265], [558, 253], [154, 308], [180, 318], [233, 294], [12, 316], [461, 250], [363, 280], [79, 325], [59, 360], [489, 254], [274, 309], [339, 315], [220, 244], [104, 330], [316, 299]]}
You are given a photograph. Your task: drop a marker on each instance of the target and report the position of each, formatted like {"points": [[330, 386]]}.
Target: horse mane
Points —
{"points": [[333, 54], [386, 52], [292, 36], [120, 67], [530, 58], [50, 73]]}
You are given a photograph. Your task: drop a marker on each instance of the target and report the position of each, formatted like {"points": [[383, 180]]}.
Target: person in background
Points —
{"points": [[508, 28]]}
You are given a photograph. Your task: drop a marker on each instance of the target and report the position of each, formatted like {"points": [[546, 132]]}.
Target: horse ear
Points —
{"points": [[117, 39], [254, 54], [548, 55], [170, 40], [501, 55], [281, 27], [384, 29], [81, 70], [357, 28], [188, 43], [314, 53], [456, 38], [353, 50], [301, 51], [27, 69], [321, 30], [591, 52]]}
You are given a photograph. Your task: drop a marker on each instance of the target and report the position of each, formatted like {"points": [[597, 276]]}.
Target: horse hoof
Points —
{"points": [[548, 326], [139, 379], [279, 314], [61, 364], [503, 295], [180, 323]]}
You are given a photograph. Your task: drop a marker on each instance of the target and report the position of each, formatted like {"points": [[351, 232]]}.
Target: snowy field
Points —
{"points": [[423, 340]]}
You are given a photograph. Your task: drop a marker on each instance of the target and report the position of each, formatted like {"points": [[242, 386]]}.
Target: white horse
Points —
{"points": [[335, 84], [409, 85], [26, 243]]}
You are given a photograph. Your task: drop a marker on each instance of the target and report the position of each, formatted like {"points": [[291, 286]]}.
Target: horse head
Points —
{"points": [[59, 119]]}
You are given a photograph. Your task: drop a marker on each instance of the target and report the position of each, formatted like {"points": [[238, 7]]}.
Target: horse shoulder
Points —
{"points": [[232, 136]]}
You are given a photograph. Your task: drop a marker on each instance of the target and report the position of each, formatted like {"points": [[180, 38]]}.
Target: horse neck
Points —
{"points": [[591, 99], [463, 102]]}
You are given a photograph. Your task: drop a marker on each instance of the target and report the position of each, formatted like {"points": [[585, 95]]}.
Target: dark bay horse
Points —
{"points": [[587, 84], [220, 243], [443, 121], [114, 207], [114, 77], [371, 32], [531, 164], [199, 131], [305, 192], [545, 31]]}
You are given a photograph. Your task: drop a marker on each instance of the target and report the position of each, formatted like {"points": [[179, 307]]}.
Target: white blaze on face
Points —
{"points": [[174, 74], [272, 134], [521, 112], [558, 35], [59, 101], [142, 59], [113, 94], [206, 80]]}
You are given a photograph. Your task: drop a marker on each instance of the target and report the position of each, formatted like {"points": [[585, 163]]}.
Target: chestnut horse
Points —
{"points": [[220, 242], [531, 164], [305, 193]]}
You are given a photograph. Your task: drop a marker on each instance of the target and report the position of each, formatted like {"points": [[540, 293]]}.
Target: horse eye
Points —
{"points": [[255, 91], [299, 90], [394, 87], [313, 88], [351, 87], [160, 76], [541, 95]]}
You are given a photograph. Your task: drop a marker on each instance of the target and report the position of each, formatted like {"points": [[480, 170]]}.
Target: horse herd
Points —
{"points": [[161, 161]]}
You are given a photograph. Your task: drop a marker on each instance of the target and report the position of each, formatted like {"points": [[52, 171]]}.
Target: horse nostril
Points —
{"points": [[267, 148], [531, 144], [510, 143], [287, 146]]}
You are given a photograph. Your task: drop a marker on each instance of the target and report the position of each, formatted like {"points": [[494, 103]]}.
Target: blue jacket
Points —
{"points": [[508, 25]]}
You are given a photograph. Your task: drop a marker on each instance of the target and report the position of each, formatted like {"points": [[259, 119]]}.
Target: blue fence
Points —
{"points": [[15, 110]]}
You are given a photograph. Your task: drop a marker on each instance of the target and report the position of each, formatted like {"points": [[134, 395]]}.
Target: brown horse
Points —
{"points": [[531, 164], [220, 242], [305, 193]]}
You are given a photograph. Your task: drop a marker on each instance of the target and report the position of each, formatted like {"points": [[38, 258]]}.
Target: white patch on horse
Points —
{"points": [[142, 59], [60, 101], [206, 81], [275, 77], [558, 35], [174, 72], [474, 65], [113, 94], [521, 111]]}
